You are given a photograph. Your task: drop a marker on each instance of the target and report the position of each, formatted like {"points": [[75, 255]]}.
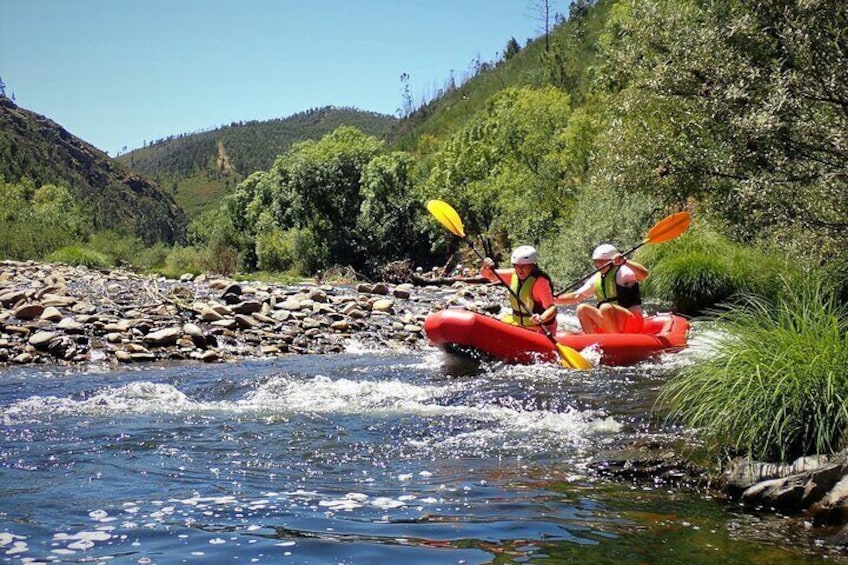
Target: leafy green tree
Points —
{"points": [[36, 221], [390, 222], [315, 187], [512, 49], [506, 171], [740, 105]]}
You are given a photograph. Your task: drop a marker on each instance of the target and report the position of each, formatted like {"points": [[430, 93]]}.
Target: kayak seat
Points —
{"points": [[658, 324]]}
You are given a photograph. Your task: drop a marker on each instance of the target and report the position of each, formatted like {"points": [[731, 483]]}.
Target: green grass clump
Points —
{"points": [[777, 388], [124, 248], [80, 256], [181, 260], [702, 268]]}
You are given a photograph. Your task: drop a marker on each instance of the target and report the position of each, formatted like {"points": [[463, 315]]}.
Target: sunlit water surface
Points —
{"points": [[363, 457]]}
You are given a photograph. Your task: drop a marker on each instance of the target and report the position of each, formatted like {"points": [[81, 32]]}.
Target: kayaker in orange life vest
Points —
{"points": [[616, 288], [531, 284]]}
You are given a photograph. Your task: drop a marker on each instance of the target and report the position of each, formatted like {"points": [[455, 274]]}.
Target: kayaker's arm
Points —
{"points": [[543, 294], [568, 298], [579, 295], [638, 269], [545, 317]]}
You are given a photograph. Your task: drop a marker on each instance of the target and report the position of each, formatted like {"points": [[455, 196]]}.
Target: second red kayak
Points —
{"points": [[468, 333]]}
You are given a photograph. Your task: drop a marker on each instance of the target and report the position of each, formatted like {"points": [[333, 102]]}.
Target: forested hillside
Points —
{"points": [[38, 153], [571, 48], [629, 110], [199, 168]]}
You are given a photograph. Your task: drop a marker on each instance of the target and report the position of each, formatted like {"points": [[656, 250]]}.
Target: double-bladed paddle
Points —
{"points": [[448, 217], [666, 229]]}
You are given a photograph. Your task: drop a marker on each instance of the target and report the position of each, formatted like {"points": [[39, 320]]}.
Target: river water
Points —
{"points": [[358, 458]]}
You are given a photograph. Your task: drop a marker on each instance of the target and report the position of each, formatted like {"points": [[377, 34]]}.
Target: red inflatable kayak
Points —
{"points": [[468, 333]]}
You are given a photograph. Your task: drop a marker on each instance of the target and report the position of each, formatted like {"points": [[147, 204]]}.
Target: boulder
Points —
{"points": [[163, 337], [28, 311], [40, 340]]}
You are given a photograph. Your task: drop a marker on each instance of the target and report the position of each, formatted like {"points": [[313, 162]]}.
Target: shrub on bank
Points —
{"points": [[122, 247], [776, 386], [702, 268], [599, 216], [80, 256], [181, 260]]}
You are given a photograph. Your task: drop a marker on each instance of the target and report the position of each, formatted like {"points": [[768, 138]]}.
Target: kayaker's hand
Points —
{"points": [[488, 264], [619, 260], [536, 319]]}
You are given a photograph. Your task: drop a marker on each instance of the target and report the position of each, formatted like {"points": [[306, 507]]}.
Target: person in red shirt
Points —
{"points": [[532, 285]]}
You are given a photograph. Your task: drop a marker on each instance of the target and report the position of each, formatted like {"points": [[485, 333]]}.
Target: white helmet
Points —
{"points": [[604, 252], [524, 255]]}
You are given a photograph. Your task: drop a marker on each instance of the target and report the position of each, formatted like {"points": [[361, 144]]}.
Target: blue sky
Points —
{"points": [[121, 72]]}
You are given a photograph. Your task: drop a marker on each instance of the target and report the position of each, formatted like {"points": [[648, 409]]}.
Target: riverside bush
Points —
{"points": [[80, 256], [122, 247], [599, 216], [181, 260], [35, 222], [777, 385], [702, 268]]}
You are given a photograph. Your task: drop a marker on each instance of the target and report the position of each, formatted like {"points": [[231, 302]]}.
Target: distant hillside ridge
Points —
{"points": [[199, 168], [35, 147], [562, 60]]}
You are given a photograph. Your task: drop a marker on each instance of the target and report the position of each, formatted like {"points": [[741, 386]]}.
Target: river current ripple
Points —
{"points": [[361, 457]]}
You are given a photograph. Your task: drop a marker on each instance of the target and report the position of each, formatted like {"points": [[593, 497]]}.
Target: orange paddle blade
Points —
{"points": [[669, 228], [447, 216]]}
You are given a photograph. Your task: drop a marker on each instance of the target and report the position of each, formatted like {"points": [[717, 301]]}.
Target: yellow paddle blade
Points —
{"points": [[447, 216], [571, 359], [669, 228]]}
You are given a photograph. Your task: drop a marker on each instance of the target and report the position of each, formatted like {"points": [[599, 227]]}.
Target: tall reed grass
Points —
{"points": [[777, 388]]}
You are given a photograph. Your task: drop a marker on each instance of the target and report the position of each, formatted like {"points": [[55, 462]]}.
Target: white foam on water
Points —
{"points": [[325, 395], [83, 540], [432, 359], [13, 544], [285, 394], [7, 538], [135, 398], [592, 354], [567, 320], [356, 347], [705, 341], [17, 547]]}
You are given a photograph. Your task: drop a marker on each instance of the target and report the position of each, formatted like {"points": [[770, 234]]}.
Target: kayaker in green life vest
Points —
{"points": [[616, 289], [529, 283]]}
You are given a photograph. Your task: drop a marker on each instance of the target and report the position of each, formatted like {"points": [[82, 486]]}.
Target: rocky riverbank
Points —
{"points": [[73, 315]]}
